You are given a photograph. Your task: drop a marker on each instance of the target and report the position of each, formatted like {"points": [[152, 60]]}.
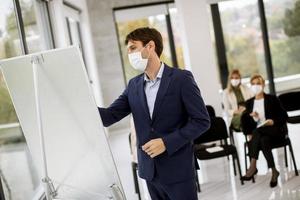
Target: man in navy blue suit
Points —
{"points": [[168, 112]]}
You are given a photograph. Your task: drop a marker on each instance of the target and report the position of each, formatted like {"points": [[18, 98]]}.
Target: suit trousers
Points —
{"points": [[185, 190]]}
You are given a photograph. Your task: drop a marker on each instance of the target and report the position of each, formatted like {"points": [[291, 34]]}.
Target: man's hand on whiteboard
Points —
{"points": [[154, 147]]}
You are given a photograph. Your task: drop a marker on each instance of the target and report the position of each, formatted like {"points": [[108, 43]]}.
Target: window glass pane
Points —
{"points": [[177, 37], [9, 47], [32, 30], [242, 34], [18, 175], [158, 22], [283, 18], [9, 36]]}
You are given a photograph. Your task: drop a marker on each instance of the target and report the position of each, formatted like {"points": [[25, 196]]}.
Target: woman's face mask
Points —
{"points": [[235, 82], [137, 61], [256, 89]]}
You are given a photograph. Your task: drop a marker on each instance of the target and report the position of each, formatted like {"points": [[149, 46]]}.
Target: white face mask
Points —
{"points": [[137, 61], [235, 82], [256, 89]]}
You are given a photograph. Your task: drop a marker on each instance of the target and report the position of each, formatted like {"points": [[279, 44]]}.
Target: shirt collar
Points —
{"points": [[159, 74]]}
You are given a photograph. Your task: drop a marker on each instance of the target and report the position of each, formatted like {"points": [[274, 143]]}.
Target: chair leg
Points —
{"points": [[285, 157], [224, 143], [233, 163], [135, 179], [245, 156], [293, 158], [239, 167], [197, 182], [231, 136]]}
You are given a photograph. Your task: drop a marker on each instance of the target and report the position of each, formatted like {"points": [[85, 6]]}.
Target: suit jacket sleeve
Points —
{"points": [[119, 109], [198, 121]]}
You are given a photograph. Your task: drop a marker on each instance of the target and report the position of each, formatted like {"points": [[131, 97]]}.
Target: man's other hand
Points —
{"points": [[154, 147]]}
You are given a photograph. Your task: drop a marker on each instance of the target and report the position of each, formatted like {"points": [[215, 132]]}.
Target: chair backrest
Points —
{"points": [[217, 131], [211, 111], [290, 100]]}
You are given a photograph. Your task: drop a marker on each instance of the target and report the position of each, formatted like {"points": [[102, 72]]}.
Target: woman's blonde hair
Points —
{"points": [[234, 71], [257, 76]]}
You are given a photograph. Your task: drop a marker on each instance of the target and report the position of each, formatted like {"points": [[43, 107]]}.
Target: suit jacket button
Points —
{"points": [[152, 129]]}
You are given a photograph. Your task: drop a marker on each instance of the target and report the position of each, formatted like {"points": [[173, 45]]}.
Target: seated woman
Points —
{"points": [[265, 119], [234, 98]]}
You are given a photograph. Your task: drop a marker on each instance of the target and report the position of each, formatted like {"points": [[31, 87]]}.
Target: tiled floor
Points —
{"points": [[216, 176]]}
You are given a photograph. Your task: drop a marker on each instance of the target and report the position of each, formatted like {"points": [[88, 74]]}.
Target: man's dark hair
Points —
{"points": [[145, 35]]}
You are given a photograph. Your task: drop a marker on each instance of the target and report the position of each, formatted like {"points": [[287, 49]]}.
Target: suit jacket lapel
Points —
{"points": [[163, 88]]}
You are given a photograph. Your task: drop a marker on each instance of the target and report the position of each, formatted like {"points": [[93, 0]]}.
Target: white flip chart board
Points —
{"points": [[79, 160]]}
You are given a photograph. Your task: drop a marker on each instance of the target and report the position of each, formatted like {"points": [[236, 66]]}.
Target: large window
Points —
{"points": [[283, 19], [18, 175], [242, 34], [253, 46], [161, 17]]}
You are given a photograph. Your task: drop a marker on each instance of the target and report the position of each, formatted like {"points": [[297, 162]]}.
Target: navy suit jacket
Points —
{"points": [[179, 117], [273, 110]]}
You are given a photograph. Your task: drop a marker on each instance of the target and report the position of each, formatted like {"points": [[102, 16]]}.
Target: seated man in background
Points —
{"points": [[265, 119]]}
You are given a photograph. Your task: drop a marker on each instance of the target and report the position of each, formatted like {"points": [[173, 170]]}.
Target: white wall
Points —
{"points": [[198, 49]]}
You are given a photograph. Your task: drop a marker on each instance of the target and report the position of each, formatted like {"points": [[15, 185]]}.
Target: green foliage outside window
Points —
{"points": [[243, 40]]}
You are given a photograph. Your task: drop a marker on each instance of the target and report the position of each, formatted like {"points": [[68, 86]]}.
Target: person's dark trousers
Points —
{"points": [[185, 190], [262, 139]]}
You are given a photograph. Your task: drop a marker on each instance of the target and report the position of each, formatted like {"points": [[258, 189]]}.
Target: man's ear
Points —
{"points": [[152, 45]]}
